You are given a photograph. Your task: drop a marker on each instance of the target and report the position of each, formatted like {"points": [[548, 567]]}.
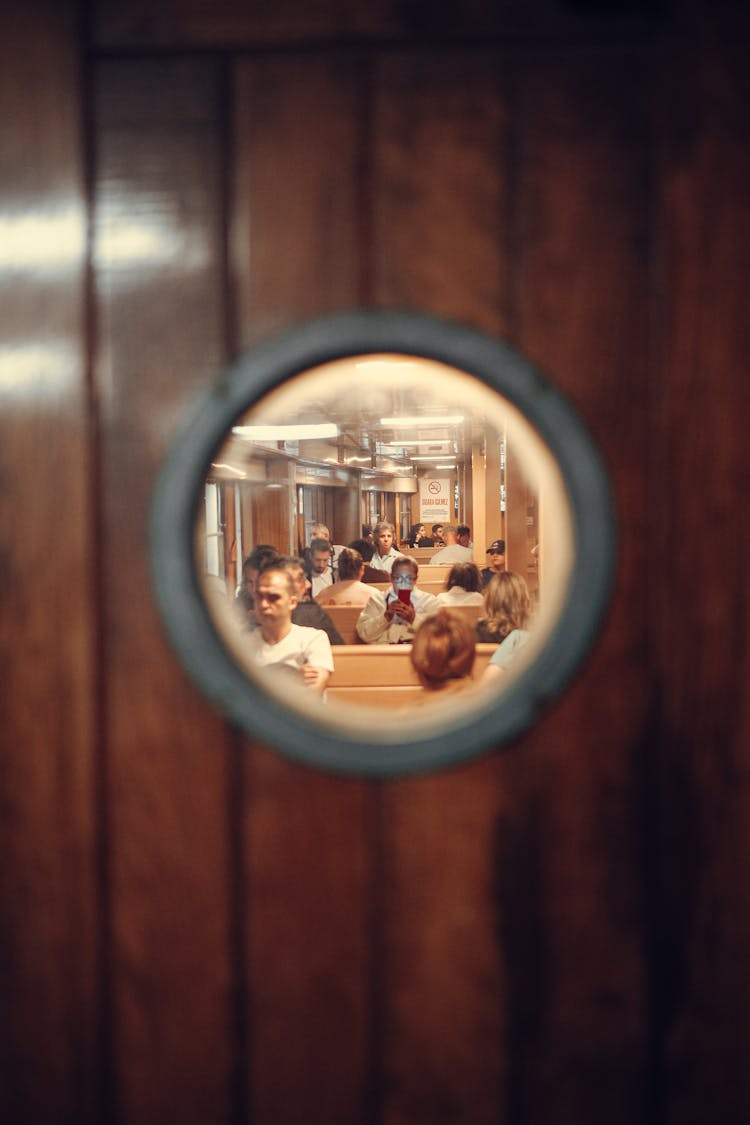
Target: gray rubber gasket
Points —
{"points": [[182, 604]]}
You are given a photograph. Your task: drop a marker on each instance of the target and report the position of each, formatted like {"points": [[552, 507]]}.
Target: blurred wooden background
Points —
{"points": [[192, 929]]}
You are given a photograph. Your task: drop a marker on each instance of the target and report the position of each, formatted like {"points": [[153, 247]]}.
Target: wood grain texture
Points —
{"points": [[237, 23], [311, 839], [702, 623], [294, 223], [438, 194], [49, 923], [159, 285], [194, 929], [571, 846], [438, 244]]}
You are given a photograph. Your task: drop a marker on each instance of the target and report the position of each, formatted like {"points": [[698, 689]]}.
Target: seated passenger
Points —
{"points": [[452, 552], [318, 565], [294, 650], [367, 550], [464, 586], [307, 612], [495, 561], [418, 537], [443, 652], [385, 553], [393, 616], [251, 568], [505, 654], [349, 589], [508, 609], [463, 532], [321, 531]]}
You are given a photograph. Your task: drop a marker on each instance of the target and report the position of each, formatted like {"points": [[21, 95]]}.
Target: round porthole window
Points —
{"points": [[382, 543]]}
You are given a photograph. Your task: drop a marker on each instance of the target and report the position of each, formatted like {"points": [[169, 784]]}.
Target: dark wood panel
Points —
{"points": [[312, 927], [294, 228], [159, 287], [438, 210], [438, 200], [704, 463], [191, 23], [49, 943], [571, 857]]}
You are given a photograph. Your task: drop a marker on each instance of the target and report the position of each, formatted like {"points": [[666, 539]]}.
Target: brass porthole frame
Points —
{"points": [[182, 604]]}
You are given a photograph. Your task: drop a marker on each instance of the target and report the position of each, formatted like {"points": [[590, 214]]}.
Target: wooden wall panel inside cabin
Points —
{"points": [[172, 879], [311, 840], [580, 216], [702, 620], [50, 972], [195, 928], [438, 184]]}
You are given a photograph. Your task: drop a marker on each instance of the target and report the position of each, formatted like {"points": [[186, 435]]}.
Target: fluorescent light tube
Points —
{"points": [[286, 433], [445, 420]]}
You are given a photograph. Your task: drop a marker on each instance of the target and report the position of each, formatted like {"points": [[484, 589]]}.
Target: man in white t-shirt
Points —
{"points": [[452, 552], [302, 652]]}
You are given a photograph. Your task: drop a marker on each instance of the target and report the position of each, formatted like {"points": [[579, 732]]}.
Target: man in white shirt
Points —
{"points": [[452, 552], [393, 616], [299, 650]]}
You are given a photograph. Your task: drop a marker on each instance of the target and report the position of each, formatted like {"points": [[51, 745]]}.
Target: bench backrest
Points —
{"points": [[385, 665], [345, 618]]}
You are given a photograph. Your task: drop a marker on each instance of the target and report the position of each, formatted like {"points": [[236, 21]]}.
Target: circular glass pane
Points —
{"points": [[400, 418]]}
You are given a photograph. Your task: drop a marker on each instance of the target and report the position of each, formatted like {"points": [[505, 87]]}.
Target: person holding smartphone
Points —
{"points": [[393, 616]]}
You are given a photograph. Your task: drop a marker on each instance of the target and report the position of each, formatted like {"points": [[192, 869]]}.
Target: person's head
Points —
{"points": [[496, 555], [404, 574], [319, 531], [295, 567], [507, 603], [450, 534], [437, 532], [320, 556], [351, 564], [465, 575], [416, 529], [443, 649], [364, 547], [275, 598], [253, 564], [463, 534], [383, 536], [366, 532]]}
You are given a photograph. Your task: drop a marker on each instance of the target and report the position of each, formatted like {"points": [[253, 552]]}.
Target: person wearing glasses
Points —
{"points": [[393, 616]]}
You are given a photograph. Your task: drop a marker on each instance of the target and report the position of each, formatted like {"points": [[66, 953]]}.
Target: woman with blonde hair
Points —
{"points": [[508, 612]]}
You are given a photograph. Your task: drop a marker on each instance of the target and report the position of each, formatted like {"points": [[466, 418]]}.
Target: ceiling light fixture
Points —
{"points": [[445, 420], [439, 457], [286, 433]]}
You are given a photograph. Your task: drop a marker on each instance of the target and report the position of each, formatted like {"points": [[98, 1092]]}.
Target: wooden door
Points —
{"points": [[194, 928]]}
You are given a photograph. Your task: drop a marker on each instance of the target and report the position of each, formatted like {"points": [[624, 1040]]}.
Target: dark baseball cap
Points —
{"points": [[497, 547]]}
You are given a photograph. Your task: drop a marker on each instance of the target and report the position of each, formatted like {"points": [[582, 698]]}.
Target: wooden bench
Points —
{"points": [[345, 618], [382, 676], [385, 665]]}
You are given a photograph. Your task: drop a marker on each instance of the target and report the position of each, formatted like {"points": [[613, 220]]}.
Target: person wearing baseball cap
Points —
{"points": [[495, 560]]}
